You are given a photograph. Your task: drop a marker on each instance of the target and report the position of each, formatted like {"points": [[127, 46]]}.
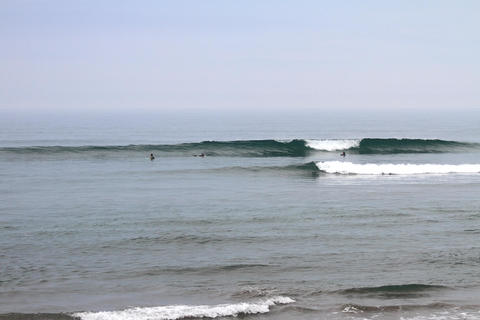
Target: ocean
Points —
{"points": [[271, 223]]}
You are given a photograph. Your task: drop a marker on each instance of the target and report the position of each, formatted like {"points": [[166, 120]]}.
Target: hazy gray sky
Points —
{"points": [[155, 55]]}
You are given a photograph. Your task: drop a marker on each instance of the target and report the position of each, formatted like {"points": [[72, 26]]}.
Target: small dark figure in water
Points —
{"points": [[152, 157], [199, 155], [343, 154]]}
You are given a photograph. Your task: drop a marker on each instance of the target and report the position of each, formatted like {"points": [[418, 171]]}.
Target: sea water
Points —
{"points": [[271, 224]]}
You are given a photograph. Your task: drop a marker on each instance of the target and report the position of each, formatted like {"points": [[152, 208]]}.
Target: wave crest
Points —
{"points": [[392, 146], [174, 312], [413, 287]]}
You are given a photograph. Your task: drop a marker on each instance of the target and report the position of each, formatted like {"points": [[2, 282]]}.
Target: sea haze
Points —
{"points": [[272, 223]]}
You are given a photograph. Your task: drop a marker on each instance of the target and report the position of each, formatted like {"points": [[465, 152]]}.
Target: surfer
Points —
{"points": [[343, 154], [202, 155], [152, 157]]}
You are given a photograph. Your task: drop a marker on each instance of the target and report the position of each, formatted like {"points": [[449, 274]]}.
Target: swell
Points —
{"points": [[393, 146], [204, 270], [410, 290], [357, 308], [308, 167], [240, 148], [262, 148], [413, 290], [411, 287]]}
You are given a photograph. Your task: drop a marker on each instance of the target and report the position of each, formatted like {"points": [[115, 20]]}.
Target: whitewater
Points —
{"points": [[332, 144], [345, 167], [183, 311]]}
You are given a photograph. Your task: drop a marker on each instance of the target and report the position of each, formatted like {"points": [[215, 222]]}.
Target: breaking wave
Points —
{"points": [[333, 145], [340, 167], [173, 312], [262, 148]]}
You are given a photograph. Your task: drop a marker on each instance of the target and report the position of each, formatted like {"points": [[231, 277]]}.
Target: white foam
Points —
{"points": [[351, 309], [185, 311], [342, 167], [332, 145]]}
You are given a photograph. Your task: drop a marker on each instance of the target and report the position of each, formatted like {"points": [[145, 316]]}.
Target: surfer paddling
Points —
{"points": [[201, 155]]}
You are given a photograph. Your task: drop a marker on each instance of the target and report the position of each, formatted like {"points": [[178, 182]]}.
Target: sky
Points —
{"points": [[231, 55]]}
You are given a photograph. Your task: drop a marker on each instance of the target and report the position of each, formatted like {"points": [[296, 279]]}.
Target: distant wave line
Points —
{"points": [[264, 148]]}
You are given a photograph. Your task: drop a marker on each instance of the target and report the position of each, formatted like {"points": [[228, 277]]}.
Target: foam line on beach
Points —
{"points": [[174, 312]]}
